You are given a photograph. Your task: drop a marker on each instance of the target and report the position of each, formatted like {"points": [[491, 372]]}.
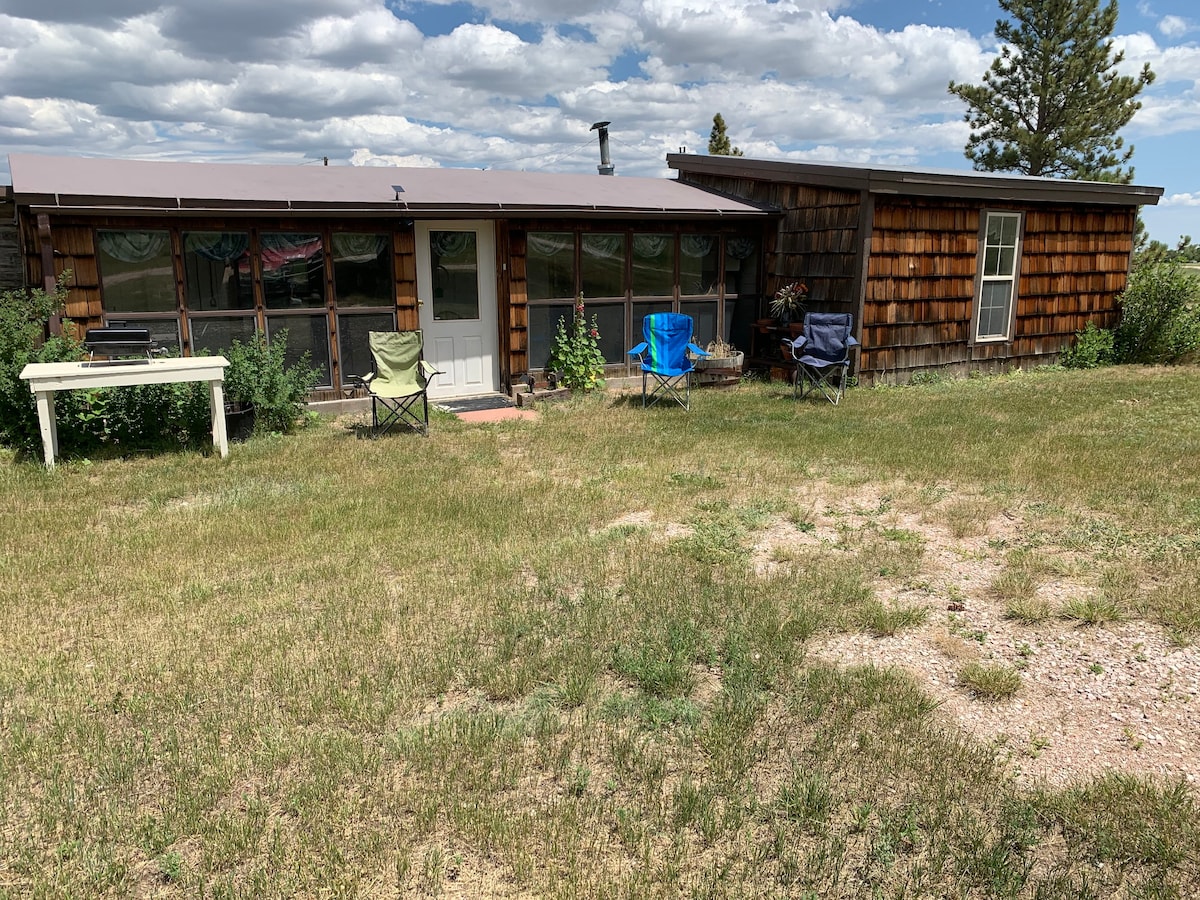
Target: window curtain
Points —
{"points": [[132, 246], [741, 247], [649, 246], [219, 246], [550, 244], [603, 246], [358, 248], [696, 246], [450, 244]]}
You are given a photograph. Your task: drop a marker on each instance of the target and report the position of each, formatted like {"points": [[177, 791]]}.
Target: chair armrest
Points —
{"points": [[852, 342], [638, 350], [361, 380], [428, 370], [698, 351]]}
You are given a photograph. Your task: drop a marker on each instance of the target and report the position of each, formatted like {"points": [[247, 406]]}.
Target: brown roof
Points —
{"points": [[988, 186], [85, 183]]}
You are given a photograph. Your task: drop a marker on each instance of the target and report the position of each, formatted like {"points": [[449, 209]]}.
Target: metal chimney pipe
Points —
{"points": [[606, 167]]}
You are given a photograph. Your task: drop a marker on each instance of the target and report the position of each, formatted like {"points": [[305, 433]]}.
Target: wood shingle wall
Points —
{"points": [[12, 270], [920, 286], [816, 241]]}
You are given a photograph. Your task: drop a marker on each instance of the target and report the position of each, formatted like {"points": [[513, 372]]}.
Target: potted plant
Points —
{"points": [[722, 366], [788, 303]]}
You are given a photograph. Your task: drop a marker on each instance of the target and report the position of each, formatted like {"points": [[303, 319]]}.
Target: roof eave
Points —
{"points": [[921, 184]]}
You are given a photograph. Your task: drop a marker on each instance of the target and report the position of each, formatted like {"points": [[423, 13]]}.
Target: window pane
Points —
{"points": [[550, 265], [216, 334], [653, 265], [699, 264], [994, 309], [603, 264], [991, 261], [995, 230], [455, 265], [305, 334], [136, 274], [354, 351], [704, 315], [543, 323], [1008, 257], [362, 270], [216, 270], [293, 270], [1009, 235], [741, 265], [610, 320]]}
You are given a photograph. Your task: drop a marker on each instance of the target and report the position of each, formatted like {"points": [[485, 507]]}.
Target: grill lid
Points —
{"points": [[118, 340]]}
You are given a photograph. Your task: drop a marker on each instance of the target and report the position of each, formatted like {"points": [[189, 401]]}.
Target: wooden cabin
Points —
{"points": [[954, 271], [484, 262]]}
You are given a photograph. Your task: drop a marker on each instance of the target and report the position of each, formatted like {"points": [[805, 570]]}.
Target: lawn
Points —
{"points": [[584, 656]]}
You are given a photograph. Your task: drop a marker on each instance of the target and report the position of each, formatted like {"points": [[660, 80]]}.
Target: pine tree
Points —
{"points": [[1052, 102], [718, 140]]}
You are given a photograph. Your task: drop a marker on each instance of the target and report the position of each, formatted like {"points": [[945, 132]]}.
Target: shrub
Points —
{"points": [[259, 376], [1160, 315], [1092, 349], [24, 316], [576, 352]]}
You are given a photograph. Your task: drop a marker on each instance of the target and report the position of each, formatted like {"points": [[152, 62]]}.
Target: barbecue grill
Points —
{"points": [[115, 341]]}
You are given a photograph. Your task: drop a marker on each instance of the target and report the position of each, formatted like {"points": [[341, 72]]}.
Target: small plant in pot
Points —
{"points": [[788, 303]]}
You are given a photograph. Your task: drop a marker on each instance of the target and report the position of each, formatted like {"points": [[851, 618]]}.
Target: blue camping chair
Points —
{"points": [[664, 358], [822, 354]]}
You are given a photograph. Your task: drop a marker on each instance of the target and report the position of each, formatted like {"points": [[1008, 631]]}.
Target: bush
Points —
{"points": [[259, 376], [1092, 349], [24, 316], [1160, 315]]}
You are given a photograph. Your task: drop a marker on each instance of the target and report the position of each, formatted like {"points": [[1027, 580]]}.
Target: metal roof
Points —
{"points": [[989, 186], [112, 185]]}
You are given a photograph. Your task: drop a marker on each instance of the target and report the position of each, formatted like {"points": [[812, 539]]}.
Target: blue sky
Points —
{"points": [[515, 84]]}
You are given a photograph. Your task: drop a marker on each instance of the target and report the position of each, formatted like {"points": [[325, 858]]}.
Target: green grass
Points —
{"points": [[336, 667]]}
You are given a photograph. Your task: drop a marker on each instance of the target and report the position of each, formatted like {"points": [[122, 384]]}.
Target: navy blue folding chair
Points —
{"points": [[822, 355], [666, 366]]}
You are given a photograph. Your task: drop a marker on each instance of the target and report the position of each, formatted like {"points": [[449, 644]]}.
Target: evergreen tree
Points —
{"points": [[1052, 102], [718, 140]]}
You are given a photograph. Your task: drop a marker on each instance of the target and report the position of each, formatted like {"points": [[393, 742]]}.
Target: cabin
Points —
{"points": [[950, 271], [484, 262], [957, 271]]}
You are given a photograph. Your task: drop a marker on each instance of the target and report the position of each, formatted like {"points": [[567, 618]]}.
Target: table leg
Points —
{"points": [[48, 425], [216, 398]]}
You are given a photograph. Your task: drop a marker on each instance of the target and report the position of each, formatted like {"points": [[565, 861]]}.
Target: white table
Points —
{"points": [[47, 378]]}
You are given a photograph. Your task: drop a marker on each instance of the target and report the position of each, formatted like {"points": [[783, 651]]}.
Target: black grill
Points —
{"points": [[115, 341]]}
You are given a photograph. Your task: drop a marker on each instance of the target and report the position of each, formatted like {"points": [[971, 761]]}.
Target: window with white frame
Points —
{"points": [[998, 276]]}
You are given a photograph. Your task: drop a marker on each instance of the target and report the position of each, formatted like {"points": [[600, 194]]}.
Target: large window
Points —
{"points": [[1000, 252], [550, 265], [216, 271], [364, 286], [602, 263], [136, 274], [653, 265]]}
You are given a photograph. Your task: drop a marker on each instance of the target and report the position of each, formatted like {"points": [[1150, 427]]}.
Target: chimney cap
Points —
{"points": [[599, 125]]}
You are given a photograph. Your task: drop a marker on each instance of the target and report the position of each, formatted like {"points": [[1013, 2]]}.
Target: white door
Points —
{"points": [[456, 288]]}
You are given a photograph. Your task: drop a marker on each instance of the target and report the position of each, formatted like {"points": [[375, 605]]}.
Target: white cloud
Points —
{"points": [[1175, 26], [1192, 199], [357, 80]]}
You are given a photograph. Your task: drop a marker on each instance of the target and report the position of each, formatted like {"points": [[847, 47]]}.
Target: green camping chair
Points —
{"points": [[399, 382]]}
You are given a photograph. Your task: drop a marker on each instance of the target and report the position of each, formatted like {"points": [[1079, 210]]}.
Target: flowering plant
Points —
{"points": [[789, 300], [575, 352]]}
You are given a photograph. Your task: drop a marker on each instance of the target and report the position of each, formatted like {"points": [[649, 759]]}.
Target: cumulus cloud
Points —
{"points": [[1192, 199], [516, 87], [1175, 26]]}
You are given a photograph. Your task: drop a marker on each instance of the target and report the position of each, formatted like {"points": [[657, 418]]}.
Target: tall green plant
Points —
{"points": [[259, 376], [24, 316], [1160, 315], [575, 352]]}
